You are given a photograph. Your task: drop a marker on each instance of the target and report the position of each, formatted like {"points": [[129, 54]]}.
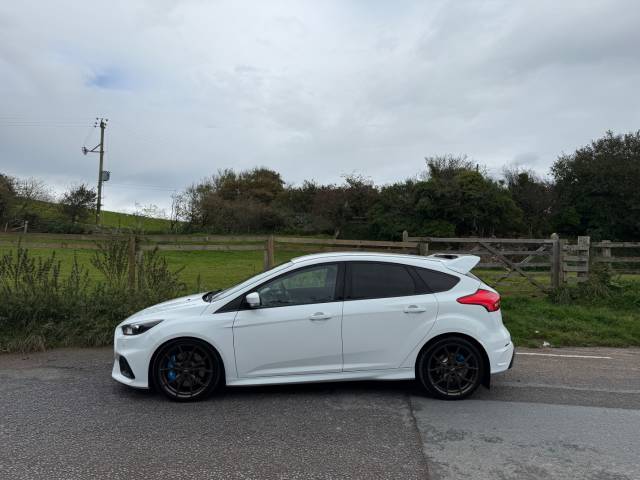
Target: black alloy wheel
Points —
{"points": [[186, 370], [451, 369]]}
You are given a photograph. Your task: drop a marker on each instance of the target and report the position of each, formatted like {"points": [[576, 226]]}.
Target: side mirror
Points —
{"points": [[253, 299]]}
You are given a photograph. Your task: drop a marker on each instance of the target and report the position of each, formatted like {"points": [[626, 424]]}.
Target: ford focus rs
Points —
{"points": [[324, 317]]}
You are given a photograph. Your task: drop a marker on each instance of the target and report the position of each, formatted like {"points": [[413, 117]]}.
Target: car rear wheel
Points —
{"points": [[451, 368], [186, 370]]}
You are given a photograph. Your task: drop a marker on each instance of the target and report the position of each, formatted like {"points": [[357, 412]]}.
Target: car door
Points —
{"points": [[386, 313], [297, 327]]}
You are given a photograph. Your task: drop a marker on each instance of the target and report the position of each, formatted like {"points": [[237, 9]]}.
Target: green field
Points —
{"points": [[47, 211], [529, 314], [127, 221]]}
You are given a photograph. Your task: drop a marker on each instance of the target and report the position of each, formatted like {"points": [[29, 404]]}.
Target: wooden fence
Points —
{"points": [[559, 260], [525, 257]]}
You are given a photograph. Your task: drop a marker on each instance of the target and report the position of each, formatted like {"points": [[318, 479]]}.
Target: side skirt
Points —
{"points": [[392, 374]]}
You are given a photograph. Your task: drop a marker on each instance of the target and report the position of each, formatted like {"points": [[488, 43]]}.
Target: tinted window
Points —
{"points": [[379, 280], [308, 285], [437, 281]]}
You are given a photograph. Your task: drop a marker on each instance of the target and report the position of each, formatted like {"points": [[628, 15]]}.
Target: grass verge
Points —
{"points": [[533, 321], [531, 317]]}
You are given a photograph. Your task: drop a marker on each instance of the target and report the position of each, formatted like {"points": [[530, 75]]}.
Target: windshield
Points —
{"points": [[247, 282]]}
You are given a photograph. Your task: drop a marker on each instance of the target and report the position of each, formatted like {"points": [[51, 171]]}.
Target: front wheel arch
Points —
{"points": [[486, 377], [151, 376]]}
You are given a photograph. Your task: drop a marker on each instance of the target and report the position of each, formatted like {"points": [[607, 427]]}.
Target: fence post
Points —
{"points": [[132, 262], [606, 252], [563, 249], [265, 257], [405, 236], [556, 262], [584, 244], [423, 249], [26, 226], [269, 253]]}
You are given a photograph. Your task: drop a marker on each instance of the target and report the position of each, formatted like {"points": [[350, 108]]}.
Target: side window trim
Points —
{"points": [[349, 280], [239, 302]]}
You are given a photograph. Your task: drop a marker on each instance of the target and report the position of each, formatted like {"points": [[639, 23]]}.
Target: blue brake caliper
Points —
{"points": [[459, 358], [171, 374]]}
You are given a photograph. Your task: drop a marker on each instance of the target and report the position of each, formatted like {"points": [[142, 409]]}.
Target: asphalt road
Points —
{"points": [[61, 416]]}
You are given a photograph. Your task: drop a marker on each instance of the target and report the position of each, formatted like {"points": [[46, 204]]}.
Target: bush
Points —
{"points": [[599, 289], [39, 308]]}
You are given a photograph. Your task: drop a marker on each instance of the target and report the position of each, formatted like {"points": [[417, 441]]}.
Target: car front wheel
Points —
{"points": [[186, 370], [451, 369]]}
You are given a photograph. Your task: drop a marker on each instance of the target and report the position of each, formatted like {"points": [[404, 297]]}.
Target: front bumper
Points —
{"points": [[136, 352]]}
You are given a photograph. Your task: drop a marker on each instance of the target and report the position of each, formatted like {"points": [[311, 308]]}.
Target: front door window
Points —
{"points": [[306, 286]]}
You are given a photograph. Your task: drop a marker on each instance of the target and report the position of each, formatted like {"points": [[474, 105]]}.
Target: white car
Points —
{"points": [[323, 318]]}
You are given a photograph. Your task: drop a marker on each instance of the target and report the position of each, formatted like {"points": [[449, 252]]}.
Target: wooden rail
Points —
{"points": [[563, 261]]}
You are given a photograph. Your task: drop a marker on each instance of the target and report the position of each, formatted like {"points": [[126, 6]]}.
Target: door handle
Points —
{"points": [[414, 309], [319, 316]]}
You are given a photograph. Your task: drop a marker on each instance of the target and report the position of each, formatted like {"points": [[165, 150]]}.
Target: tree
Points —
{"points": [[533, 196], [7, 196], [596, 191], [30, 193], [31, 189], [77, 202], [230, 202], [394, 211], [260, 184], [296, 204], [446, 167], [458, 197]]}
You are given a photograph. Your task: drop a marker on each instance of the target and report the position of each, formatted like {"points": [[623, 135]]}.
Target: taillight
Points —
{"points": [[489, 300]]}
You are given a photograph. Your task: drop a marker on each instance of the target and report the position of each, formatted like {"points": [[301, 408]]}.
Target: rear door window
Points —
{"points": [[379, 280]]}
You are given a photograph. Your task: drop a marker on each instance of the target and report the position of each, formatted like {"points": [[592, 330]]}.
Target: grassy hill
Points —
{"points": [[48, 217], [127, 221]]}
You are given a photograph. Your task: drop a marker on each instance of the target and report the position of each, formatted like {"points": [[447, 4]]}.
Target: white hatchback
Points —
{"points": [[324, 318]]}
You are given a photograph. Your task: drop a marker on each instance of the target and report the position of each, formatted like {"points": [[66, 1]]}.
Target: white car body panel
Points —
{"points": [[362, 340], [379, 333], [300, 339]]}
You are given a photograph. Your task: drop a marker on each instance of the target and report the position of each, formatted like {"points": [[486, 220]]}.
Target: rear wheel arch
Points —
{"points": [[486, 377], [214, 350]]}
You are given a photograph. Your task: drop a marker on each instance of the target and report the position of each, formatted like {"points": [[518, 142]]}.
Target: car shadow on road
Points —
{"points": [[373, 388]]}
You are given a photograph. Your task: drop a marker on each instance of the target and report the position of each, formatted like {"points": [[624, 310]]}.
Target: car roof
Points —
{"points": [[371, 256]]}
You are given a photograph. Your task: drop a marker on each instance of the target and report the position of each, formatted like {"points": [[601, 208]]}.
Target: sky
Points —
{"points": [[313, 89]]}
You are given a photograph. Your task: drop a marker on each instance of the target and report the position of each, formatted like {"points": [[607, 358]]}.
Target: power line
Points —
{"points": [[53, 125]]}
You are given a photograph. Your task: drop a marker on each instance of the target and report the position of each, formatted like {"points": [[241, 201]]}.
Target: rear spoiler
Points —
{"points": [[458, 263]]}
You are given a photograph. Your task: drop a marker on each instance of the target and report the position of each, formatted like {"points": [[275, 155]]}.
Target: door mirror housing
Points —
{"points": [[253, 299]]}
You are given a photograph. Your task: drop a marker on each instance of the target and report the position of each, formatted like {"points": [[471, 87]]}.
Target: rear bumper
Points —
{"points": [[502, 358]]}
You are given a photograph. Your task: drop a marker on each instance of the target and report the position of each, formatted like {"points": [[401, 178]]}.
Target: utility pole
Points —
{"points": [[103, 125], [103, 175]]}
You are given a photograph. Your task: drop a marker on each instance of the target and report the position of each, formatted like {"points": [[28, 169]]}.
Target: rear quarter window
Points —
{"points": [[437, 281]]}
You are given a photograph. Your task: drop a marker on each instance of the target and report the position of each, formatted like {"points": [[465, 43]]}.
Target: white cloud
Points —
{"points": [[312, 89]]}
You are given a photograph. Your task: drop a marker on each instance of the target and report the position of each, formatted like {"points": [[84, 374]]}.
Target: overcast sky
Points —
{"points": [[314, 89]]}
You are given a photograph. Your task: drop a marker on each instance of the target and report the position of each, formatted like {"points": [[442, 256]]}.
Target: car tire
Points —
{"points": [[186, 370], [451, 368]]}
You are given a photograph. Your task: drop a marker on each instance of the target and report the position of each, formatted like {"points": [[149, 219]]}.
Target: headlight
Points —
{"points": [[138, 328]]}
